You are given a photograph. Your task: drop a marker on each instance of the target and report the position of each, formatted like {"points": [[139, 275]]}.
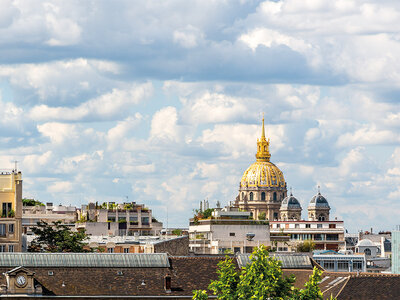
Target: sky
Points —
{"points": [[160, 102]]}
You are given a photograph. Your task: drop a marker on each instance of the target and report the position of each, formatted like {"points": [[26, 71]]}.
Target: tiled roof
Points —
{"points": [[187, 274]]}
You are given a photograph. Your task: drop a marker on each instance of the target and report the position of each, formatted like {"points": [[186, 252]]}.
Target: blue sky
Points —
{"points": [[161, 102]]}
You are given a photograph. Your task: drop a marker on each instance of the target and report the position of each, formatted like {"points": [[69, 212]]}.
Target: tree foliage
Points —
{"points": [[31, 202], [57, 237], [306, 246], [261, 279]]}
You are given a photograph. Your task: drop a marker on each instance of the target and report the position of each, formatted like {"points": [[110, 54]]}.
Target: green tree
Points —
{"points": [[31, 202], [262, 216], [261, 279], [306, 246], [228, 278], [57, 237]]}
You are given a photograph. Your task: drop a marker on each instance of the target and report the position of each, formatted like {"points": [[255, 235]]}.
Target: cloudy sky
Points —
{"points": [[160, 102]]}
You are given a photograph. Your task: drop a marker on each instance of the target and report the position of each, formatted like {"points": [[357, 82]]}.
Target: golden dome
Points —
{"points": [[263, 173]]}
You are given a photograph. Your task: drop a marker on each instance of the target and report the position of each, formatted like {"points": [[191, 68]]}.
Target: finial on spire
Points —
{"points": [[291, 194], [263, 129], [319, 189]]}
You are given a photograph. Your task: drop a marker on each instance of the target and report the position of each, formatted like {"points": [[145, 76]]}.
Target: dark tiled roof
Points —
{"points": [[187, 274]]}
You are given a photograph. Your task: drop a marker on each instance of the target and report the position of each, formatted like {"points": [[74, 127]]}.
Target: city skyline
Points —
{"points": [[162, 103]]}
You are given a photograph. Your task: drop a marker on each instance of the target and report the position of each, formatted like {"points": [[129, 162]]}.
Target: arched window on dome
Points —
{"points": [[263, 196], [251, 196], [274, 197], [321, 218], [242, 196], [367, 252]]}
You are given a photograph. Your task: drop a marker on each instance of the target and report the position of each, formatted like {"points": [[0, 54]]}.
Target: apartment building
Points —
{"points": [[117, 219], [326, 235], [11, 211]]}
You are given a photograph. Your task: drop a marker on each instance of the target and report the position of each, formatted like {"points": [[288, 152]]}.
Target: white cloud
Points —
{"points": [[105, 107], [188, 37], [60, 187], [164, 125]]}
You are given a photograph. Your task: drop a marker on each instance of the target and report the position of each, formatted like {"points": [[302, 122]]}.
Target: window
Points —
{"points": [[263, 196], [278, 225], [332, 225], [329, 265], [357, 266], [242, 195], [231, 234], [275, 216], [145, 220], [110, 250], [251, 196], [126, 250], [343, 266], [367, 252], [308, 225], [10, 248], [319, 225], [2, 229], [236, 249], [133, 220], [296, 225], [274, 196], [111, 219], [332, 237], [317, 237], [7, 210], [10, 228], [321, 218], [2, 248]]}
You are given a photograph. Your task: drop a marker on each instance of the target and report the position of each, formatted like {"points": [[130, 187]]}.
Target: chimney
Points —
{"points": [[167, 283]]}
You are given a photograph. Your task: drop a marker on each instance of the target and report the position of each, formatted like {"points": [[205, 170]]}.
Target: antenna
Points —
{"points": [[16, 164]]}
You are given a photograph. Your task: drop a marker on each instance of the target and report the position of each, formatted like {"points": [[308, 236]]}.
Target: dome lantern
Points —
{"points": [[263, 146]]}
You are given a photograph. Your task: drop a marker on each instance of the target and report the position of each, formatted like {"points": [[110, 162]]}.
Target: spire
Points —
{"points": [[263, 129], [263, 146]]}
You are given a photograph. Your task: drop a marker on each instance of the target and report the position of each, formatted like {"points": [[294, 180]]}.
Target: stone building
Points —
{"points": [[11, 211], [117, 219]]}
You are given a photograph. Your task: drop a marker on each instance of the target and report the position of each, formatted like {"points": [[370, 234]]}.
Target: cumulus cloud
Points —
{"points": [[105, 107]]}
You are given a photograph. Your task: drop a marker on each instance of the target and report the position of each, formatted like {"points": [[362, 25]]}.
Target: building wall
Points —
{"points": [[11, 211], [217, 238], [177, 247], [396, 252]]}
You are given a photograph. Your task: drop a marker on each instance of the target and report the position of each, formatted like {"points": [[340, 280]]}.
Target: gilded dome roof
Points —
{"points": [[262, 174]]}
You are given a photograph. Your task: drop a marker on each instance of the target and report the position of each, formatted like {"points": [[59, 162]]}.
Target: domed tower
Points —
{"points": [[263, 187], [290, 209], [318, 209]]}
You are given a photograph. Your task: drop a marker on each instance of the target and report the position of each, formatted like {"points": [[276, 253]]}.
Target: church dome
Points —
{"points": [[263, 173], [290, 202], [318, 201]]}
